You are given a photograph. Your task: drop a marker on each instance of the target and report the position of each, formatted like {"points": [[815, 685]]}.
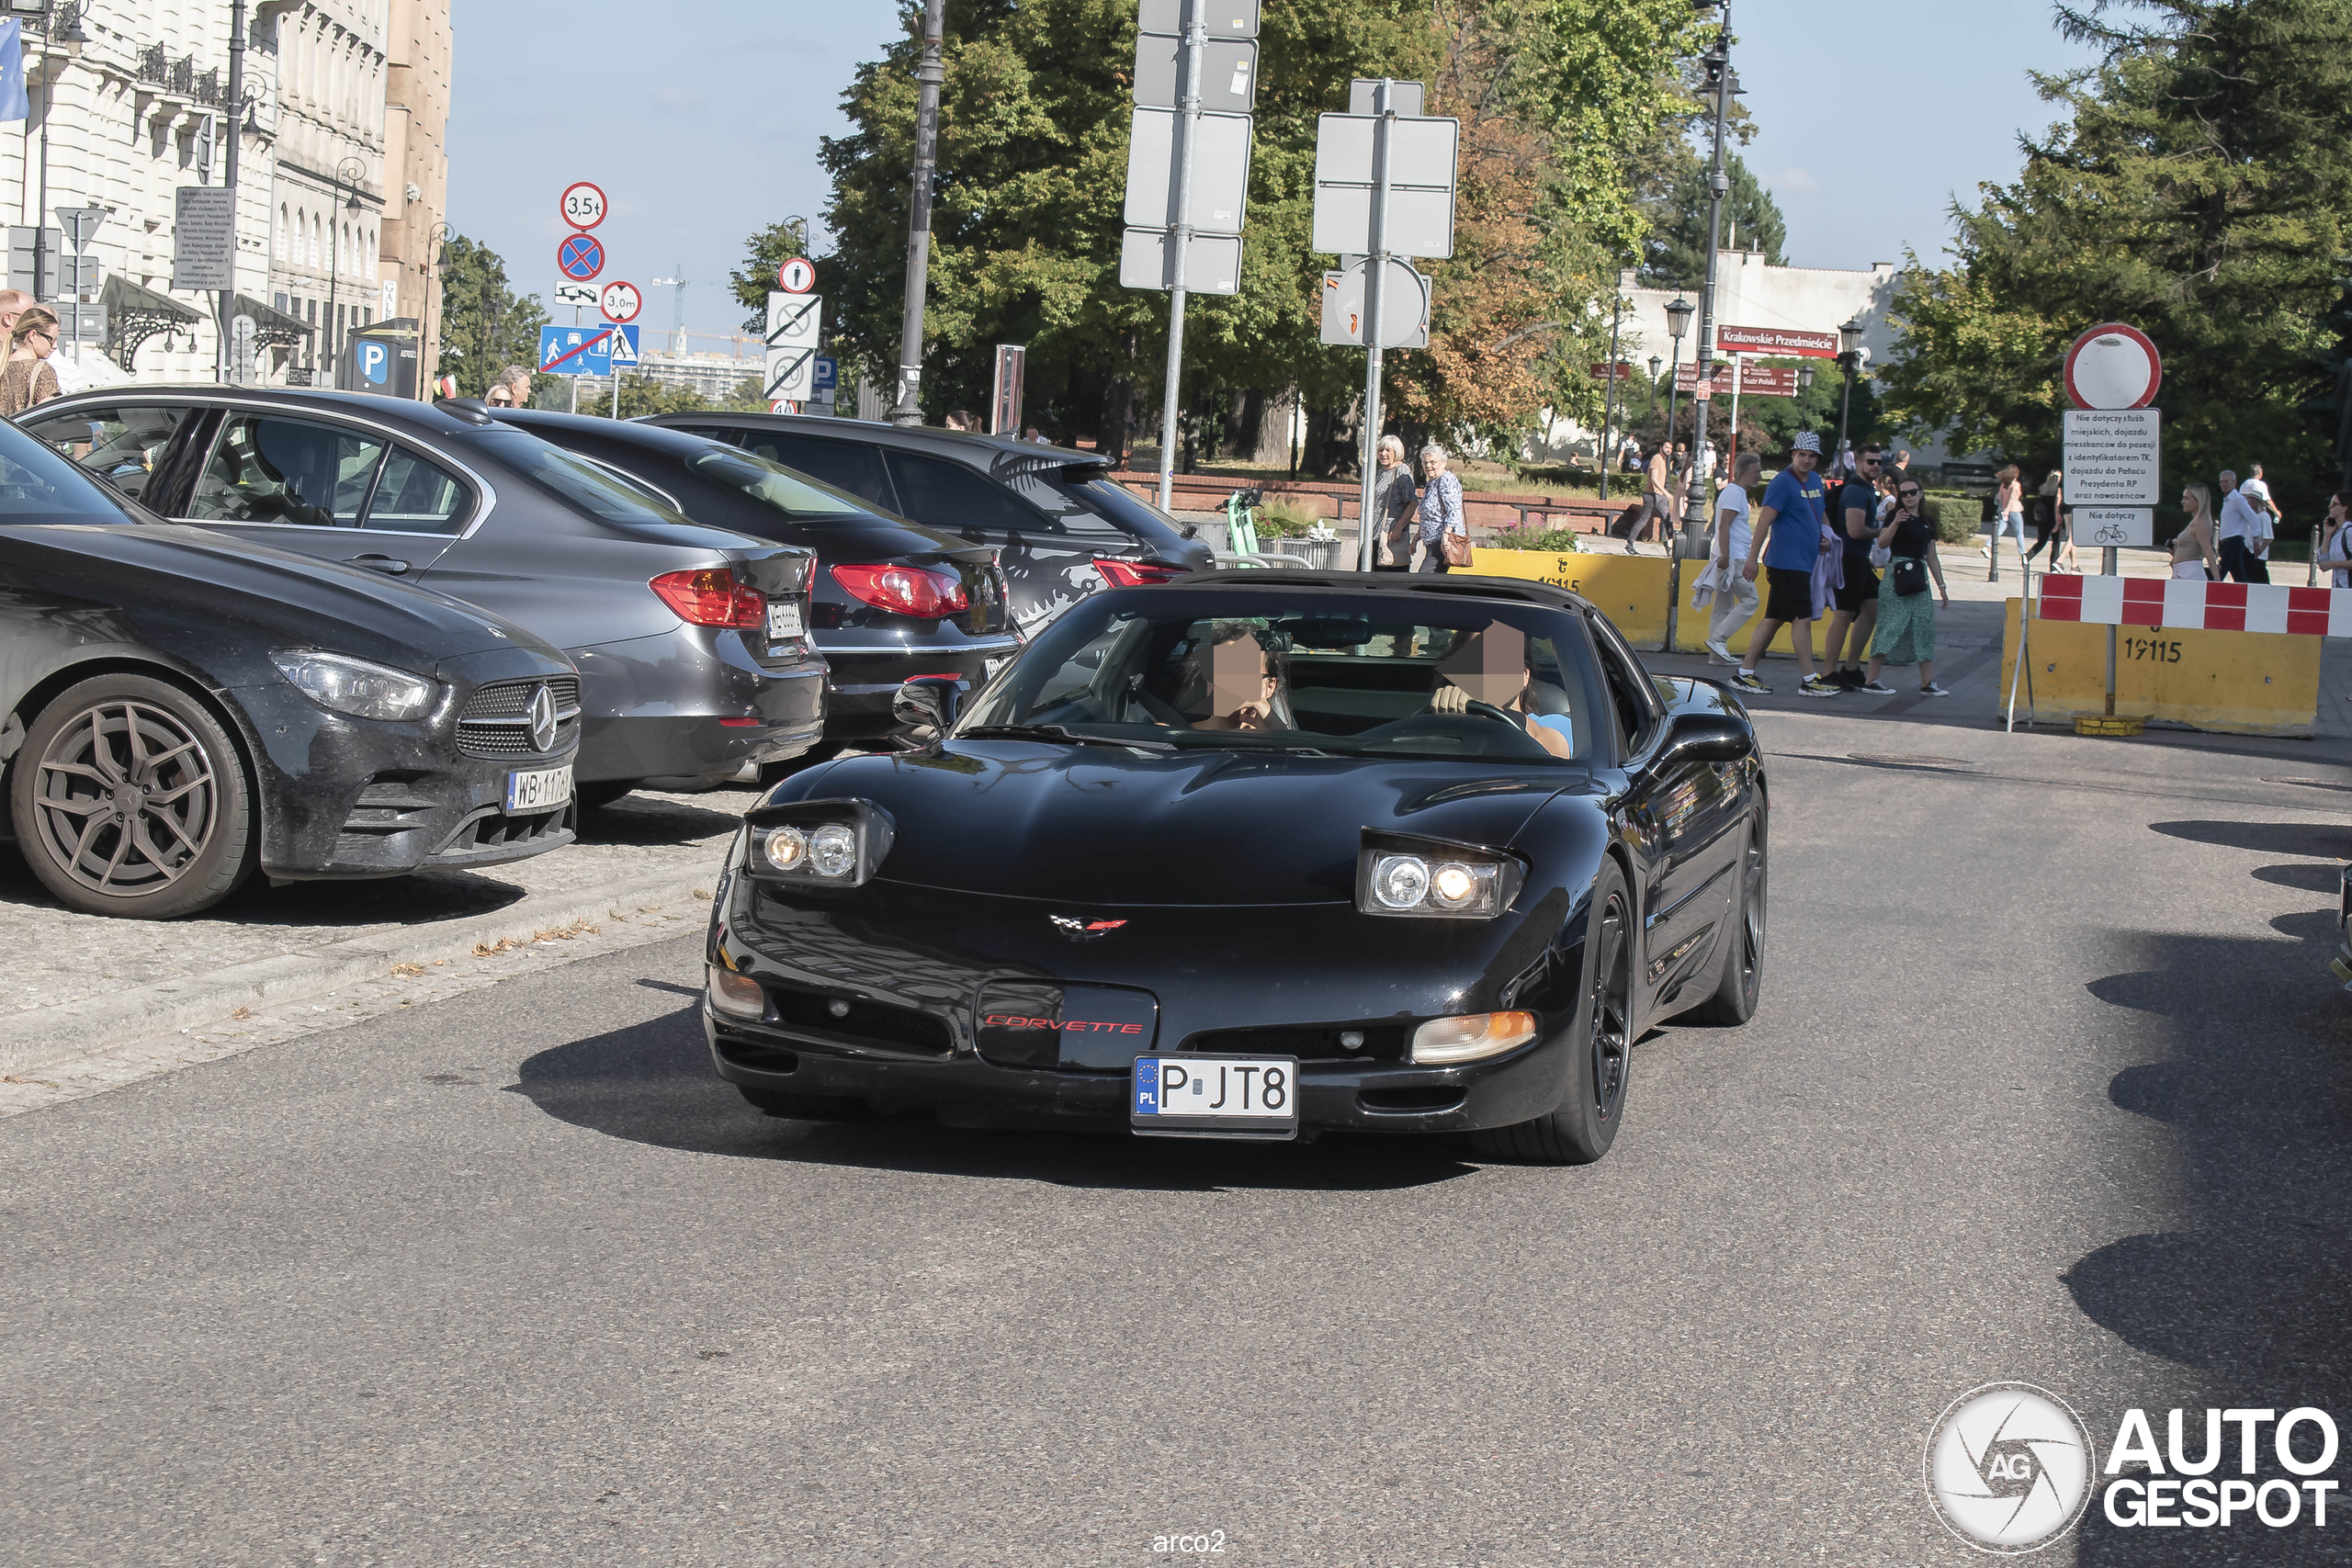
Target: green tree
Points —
{"points": [[2199, 189], [485, 326], [643, 395], [1675, 254]]}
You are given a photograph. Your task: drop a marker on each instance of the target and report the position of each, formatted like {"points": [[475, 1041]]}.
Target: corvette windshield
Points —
{"points": [[1388, 674]]}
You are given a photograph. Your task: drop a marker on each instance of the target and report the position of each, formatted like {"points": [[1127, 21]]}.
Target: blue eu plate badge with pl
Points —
{"points": [[1216, 1096]]}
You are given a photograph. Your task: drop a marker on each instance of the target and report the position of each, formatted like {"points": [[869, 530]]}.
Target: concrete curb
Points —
{"points": [[49, 1034]]}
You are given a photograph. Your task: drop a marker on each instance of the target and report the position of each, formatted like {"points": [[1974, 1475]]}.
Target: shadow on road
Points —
{"points": [[649, 821], [652, 1083], [324, 905], [2252, 1296]]}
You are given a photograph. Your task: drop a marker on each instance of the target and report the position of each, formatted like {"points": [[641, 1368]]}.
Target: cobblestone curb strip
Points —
{"points": [[43, 1035]]}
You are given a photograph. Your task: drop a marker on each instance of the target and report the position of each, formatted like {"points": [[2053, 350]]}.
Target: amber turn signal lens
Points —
{"points": [[1448, 1040]]}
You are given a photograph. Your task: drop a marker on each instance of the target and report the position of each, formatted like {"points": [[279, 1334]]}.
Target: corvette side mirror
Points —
{"points": [[1706, 738], [927, 704]]}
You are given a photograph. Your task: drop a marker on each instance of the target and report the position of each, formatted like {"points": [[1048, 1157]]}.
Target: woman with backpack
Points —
{"points": [[1906, 613], [2008, 517]]}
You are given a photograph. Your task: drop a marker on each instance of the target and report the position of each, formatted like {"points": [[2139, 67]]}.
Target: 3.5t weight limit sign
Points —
{"points": [[583, 204]]}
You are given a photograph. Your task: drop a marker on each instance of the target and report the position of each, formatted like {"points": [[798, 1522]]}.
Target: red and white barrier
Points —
{"points": [[2184, 605]]}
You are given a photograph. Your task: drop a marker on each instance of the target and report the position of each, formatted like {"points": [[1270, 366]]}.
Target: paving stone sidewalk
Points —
{"points": [[86, 981]]}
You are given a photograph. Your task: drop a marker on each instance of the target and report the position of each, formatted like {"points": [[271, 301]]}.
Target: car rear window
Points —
{"points": [[774, 485], [847, 466], [578, 482], [946, 494]]}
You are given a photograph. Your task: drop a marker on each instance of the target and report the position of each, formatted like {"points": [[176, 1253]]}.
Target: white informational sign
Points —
{"points": [[241, 333], [1228, 73], [2113, 457], [204, 238], [1218, 18], [1212, 263], [792, 323], [1420, 184], [579, 295], [391, 299], [620, 301], [2112, 528], [1220, 171], [1404, 305]]}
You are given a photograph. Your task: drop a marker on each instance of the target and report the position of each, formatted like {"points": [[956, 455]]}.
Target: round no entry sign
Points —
{"points": [[796, 276], [2113, 366]]}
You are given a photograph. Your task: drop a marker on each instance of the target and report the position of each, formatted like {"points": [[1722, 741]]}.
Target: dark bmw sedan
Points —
{"points": [[1061, 527], [893, 599], [691, 642], [179, 709]]}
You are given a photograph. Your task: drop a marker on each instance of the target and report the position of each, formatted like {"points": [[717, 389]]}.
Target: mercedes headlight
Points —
{"points": [[1397, 874], [343, 685], [818, 843]]}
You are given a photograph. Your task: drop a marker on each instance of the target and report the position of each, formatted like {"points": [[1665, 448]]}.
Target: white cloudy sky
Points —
{"points": [[1871, 114]]}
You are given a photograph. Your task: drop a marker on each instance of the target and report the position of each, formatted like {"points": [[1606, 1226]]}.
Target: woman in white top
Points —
{"points": [[1735, 595], [2008, 516], [2334, 552], [2193, 554]]}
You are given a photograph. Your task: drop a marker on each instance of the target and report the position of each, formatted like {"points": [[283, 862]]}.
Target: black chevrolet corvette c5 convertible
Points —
{"points": [[1258, 853]]}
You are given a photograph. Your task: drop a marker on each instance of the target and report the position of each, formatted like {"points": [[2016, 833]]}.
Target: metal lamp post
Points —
{"points": [[1678, 322], [1722, 84], [929, 74], [69, 42], [1849, 343], [1657, 365], [428, 376], [347, 173], [1608, 397]]}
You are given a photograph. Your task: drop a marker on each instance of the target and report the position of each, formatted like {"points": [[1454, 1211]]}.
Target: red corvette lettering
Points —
{"points": [[1007, 1020]]}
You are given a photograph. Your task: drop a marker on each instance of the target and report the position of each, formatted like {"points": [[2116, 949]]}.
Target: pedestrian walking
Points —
{"points": [[511, 391], [1906, 612], [2334, 552], [1787, 542], [2045, 515], [1657, 479], [2193, 553], [2258, 495], [12, 305], [29, 377], [1393, 506], [2240, 525], [1445, 536], [1854, 600], [1735, 596], [2008, 517]]}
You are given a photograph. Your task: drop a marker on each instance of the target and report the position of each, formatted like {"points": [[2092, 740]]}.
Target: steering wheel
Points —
{"points": [[1489, 710]]}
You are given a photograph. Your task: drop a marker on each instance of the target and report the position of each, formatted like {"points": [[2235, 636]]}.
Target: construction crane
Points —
{"points": [[677, 310]]}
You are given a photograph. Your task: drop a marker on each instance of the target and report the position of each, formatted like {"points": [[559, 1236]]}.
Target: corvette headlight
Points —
{"points": [[1399, 875], [818, 843], [343, 685], [1447, 1040]]}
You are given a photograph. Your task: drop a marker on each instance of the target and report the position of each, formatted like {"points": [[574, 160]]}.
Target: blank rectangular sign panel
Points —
{"points": [[1220, 171], [1212, 263], [1228, 73], [1220, 18]]}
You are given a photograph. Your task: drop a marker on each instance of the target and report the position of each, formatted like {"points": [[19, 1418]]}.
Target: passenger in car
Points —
{"points": [[1236, 681]]}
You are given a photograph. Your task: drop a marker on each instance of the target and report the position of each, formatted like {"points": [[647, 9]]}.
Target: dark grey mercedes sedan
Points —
{"points": [[692, 642]]}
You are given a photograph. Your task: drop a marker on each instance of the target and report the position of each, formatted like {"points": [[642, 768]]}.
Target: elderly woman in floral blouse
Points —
{"points": [[1440, 508]]}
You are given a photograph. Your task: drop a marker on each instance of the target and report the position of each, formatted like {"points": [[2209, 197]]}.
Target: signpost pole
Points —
{"points": [[229, 177], [1188, 115], [1375, 275], [1718, 61], [1608, 397], [929, 74]]}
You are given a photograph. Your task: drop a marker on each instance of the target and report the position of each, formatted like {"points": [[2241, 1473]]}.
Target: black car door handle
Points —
{"points": [[386, 564]]}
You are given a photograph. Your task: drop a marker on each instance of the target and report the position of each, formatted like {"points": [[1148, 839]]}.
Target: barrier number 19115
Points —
{"points": [[2156, 650]]}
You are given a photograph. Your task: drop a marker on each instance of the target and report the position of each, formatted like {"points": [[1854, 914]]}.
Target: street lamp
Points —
{"points": [[345, 173], [1657, 365], [1678, 322], [1849, 359], [69, 39]]}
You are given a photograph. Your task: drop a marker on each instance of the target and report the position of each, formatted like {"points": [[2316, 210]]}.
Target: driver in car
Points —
{"points": [[1491, 666], [1239, 679]]}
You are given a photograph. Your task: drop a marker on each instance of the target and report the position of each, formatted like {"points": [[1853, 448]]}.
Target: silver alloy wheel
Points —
{"points": [[126, 798]]}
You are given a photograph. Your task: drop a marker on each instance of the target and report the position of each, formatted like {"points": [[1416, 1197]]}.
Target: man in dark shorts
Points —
{"points": [[1854, 514], [1790, 519]]}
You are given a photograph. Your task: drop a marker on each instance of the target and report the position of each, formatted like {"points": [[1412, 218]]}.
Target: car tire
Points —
{"points": [[596, 797], [130, 799], [807, 1107], [1599, 1043], [1734, 1002]]}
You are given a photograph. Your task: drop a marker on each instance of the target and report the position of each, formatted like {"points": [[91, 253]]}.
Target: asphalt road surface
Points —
{"points": [[2048, 1084]]}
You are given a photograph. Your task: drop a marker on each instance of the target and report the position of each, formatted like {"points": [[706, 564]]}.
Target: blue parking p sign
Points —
{"points": [[376, 362], [828, 375]]}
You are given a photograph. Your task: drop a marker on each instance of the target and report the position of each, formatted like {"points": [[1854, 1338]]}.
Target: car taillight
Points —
{"points": [[711, 597], [1120, 573], [905, 590]]}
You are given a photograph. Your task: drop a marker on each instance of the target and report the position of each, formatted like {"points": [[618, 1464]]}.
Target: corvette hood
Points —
{"points": [[1095, 825]]}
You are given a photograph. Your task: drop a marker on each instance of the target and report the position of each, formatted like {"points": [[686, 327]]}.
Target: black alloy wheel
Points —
{"points": [[1599, 1043], [1733, 1002], [130, 799]]}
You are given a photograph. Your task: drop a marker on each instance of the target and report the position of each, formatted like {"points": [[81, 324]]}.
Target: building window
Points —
{"points": [[277, 240]]}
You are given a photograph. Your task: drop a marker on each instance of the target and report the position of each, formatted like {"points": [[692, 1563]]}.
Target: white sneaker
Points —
{"points": [[1716, 647]]}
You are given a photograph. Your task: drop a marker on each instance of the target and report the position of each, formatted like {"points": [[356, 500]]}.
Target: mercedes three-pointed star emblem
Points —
{"points": [[541, 713]]}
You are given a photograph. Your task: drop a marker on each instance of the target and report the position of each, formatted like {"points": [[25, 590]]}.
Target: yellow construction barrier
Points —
{"points": [[2227, 683], [1631, 591]]}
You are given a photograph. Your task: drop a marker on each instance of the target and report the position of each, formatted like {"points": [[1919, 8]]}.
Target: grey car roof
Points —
{"points": [[980, 451]]}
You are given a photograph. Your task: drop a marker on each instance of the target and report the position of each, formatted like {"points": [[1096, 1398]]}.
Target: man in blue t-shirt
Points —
{"points": [[1788, 540]]}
